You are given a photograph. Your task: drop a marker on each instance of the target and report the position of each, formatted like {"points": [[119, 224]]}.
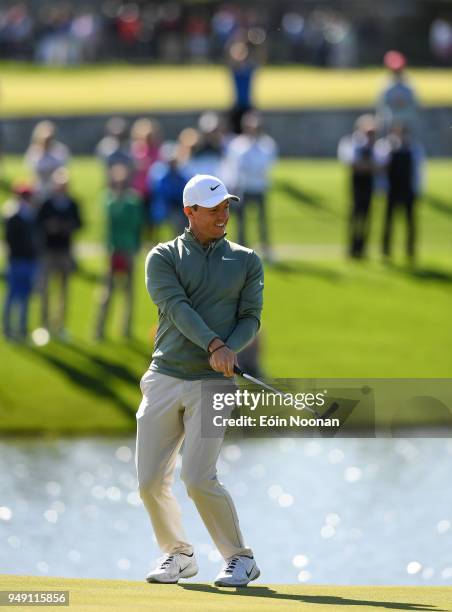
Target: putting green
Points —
{"points": [[96, 595], [31, 90]]}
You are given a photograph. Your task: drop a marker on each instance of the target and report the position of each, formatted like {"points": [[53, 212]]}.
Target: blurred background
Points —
{"points": [[316, 32], [333, 121]]}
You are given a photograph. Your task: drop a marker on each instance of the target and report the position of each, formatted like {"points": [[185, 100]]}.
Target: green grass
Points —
{"points": [[97, 595], [323, 316], [308, 203], [32, 90]]}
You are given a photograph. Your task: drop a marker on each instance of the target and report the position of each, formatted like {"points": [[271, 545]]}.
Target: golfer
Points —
{"points": [[208, 291]]}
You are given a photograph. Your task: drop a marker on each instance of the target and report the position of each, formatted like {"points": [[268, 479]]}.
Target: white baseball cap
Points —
{"points": [[207, 191]]}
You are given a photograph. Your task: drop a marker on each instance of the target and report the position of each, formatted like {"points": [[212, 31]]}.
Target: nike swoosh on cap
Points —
{"points": [[216, 187]]}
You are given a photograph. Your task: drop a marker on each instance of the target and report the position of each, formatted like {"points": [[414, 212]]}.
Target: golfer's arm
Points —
{"points": [[249, 308], [243, 333], [169, 296]]}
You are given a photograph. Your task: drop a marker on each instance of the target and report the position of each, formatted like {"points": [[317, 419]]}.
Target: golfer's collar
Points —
{"points": [[190, 237]]}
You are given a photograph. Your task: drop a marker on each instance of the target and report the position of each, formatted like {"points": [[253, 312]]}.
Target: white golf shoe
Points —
{"points": [[238, 571], [172, 567]]}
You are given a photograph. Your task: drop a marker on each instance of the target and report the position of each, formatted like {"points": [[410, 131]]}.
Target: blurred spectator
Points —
{"points": [[113, 149], [398, 103], [207, 149], [128, 22], [124, 218], [168, 34], [341, 40], [187, 140], [144, 149], [22, 240], [197, 37], [256, 25], [293, 28], [404, 167], [168, 186], [58, 219], [358, 151], [441, 40], [243, 69], [85, 32], [16, 31], [129, 27], [249, 158], [315, 38], [224, 24], [44, 155], [55, 46]]}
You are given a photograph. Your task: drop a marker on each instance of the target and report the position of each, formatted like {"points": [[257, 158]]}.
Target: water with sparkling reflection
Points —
{"points": [[348, 511]]}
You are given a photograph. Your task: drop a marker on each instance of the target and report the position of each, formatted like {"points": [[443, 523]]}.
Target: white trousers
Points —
{"points": [[169, 414]]}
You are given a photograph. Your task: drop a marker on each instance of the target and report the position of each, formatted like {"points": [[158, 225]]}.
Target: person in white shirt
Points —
{"points": [[248, 161], [45, 155], [207, 151]]}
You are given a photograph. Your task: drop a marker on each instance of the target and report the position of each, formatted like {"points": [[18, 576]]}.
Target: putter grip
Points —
{"points": [[238, 371]]}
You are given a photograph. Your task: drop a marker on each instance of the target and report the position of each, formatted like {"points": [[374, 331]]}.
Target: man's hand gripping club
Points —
{"points": [[221, 358]]}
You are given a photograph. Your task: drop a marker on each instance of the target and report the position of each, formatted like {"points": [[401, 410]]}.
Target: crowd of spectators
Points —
{"points": [[385, 155], [63, 33], [144, 180]]}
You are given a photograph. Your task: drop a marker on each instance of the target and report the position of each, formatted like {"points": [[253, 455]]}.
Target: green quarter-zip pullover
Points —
{"points": [[202, 293]]}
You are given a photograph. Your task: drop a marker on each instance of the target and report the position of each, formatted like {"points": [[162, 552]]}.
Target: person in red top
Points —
{"points": [[144, 149]]}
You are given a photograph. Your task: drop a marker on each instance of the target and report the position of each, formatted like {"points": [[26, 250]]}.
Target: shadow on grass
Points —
{"points": [[432, 274], [423, 274], [292, 268], [438, 204], [90, 350], [96, 383], [141, 348], [323, 600], [301, 196], [106, 366]]}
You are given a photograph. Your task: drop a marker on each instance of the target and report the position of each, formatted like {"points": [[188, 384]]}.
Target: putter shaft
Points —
{"points": [[261, 383]]}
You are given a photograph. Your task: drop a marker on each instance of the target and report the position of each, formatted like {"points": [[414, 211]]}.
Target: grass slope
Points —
{"points": [[323, 317], [32, 90], [97, 595]]}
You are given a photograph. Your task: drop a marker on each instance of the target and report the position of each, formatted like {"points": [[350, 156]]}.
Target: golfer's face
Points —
{"points": [[211, 222]]}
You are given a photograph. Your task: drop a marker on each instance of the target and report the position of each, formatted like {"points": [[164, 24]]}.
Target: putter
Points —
{"points": [[334, 406]]}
